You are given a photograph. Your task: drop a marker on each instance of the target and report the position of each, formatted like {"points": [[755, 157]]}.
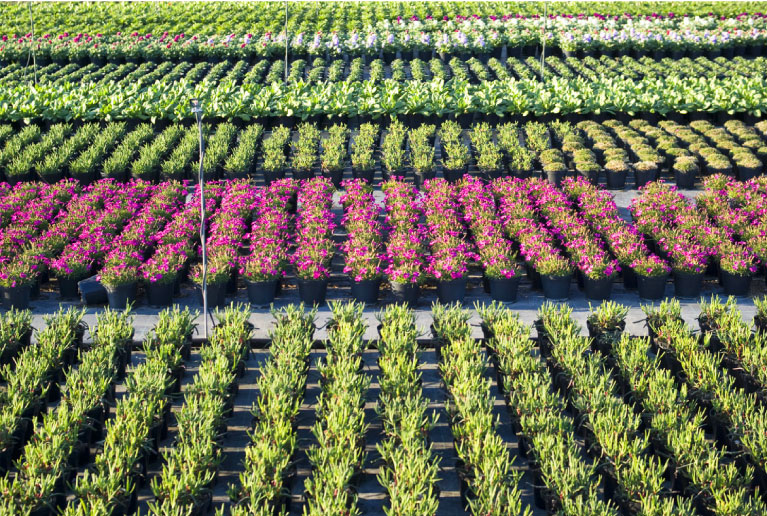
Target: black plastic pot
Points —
{"points": [[629, 277], [159, 294], [312, 292], [92, 292], [406, 293], [261, 292], [335, 177], [556, 287], [366, 291], [67, 288], [271, 176], [420, 177], [616, 180], [504, 289], [16, 297], [684, 180], [746, 173], [599, 289], [652, 287], [642, 177], [688, 284], [120, 295], [216, 295], [450, 291], [555, 178], [591, 176], [452, 176], [735, 284], [367, 175]]}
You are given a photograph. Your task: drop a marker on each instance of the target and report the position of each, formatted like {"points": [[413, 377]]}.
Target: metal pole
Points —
{"points": [[32, 49], [286, 41], [545, 27], [197, 110]]}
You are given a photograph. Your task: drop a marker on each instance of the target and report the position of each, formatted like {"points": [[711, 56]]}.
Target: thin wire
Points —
{"points": [[286, 41], [202, 228], [545, 28], [32, 47]]}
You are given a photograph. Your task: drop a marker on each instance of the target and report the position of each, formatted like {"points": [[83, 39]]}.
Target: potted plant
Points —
{"points": [[749, 167], [599, 272], [333, 154], [589, 170], [554, 172], [556, 274], [685, 171], [364, 259], [688, 265], [652, 274], [422, 153], [737, 266], [606, 323], [16, 280], [120, 279], [363, 147], [161, 273], [314, 244], [645, 172], [218, 274], [616, 171]]}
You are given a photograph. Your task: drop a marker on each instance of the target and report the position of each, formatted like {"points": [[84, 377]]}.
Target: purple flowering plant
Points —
{"points": [[363, 248]]}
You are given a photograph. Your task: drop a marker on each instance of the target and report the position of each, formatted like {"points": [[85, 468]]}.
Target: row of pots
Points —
{"points": [[311, 292]]}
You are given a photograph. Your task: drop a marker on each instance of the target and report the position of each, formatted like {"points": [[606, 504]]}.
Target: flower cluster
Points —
{"points": [[682, 232], [315, 223], [129, 249], [451, 250], [495, 252], [586, 250], [227, 231], [457, 35], [521, 223], [95, 237], [363, 247], [405, 246], [175, 245], [269, 232], [623, 238]]}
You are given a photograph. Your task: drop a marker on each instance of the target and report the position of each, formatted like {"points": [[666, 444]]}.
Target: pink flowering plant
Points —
{"points": [[227, 231], [405, 245], [22, 271], [736, 258], [364, 258], [315, 223], [166, 264], [451, 251], [269, 234], [585, 248], [519, 219], [650, 266], [495, 252]]}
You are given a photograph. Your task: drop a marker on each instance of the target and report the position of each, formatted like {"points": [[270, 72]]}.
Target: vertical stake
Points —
{"points": [[545, 27], [287, 41], [197, 110]]}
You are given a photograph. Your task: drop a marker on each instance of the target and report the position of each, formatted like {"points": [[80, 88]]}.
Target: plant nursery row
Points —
{"points": [[320, 70], [604, 424], [481, 36], [141, 237], [530, 97], [269, 16], [614, 153]]}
